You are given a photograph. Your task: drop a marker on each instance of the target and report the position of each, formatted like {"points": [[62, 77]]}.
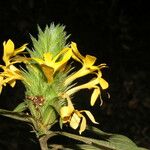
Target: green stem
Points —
{"points": [[89, 141]]}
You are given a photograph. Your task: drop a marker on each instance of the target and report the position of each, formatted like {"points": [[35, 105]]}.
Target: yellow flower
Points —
{"points": [[10, 51], [87, 65], [10, 73], [92, 84], [74, 117], [50, 64]]}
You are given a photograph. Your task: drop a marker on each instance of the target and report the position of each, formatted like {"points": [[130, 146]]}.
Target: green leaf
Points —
{"points": [[21, 107], [21, 117], [123, 143], [118, 141], [87, 147], [16, 115], [90, 141], [98, 131]]}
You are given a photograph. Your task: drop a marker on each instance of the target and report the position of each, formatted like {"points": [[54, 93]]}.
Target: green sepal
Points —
{"points": [[21, 107], [60, 123], [33, 110], [52, 39], [50, 116]]}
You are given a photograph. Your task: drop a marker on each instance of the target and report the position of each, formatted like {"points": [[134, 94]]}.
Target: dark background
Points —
{"points": [[116, 32]]}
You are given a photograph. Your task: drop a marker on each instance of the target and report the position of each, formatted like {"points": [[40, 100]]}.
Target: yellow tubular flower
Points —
{"points": [[10, 51], [74, 117], [76, 54], [10, 73], [9, 76], [51, 65], [92, 84], [87, 65]]}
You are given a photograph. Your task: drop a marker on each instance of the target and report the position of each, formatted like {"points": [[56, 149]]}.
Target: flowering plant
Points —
{"points": [[50, 83]]}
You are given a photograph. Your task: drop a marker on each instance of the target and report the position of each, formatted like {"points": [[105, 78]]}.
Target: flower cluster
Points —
{"points": [[10, 73], [51, 66]]}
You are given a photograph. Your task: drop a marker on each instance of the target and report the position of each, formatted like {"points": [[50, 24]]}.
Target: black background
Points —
{"points": [[116, 32]]}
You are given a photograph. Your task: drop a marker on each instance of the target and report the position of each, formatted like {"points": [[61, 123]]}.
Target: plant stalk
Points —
{"points": [[43, 142], [44, 139]]}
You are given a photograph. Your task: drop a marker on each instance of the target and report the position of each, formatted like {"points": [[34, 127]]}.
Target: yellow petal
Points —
{"points": [[13, 68], [89, 85], [8, 51], [48, 72], [47, 58], [12, 83], [1, 79], [60, 54], [83, 124], [104, 84], [1, 89], [89, 114], [99, 74], [1, 84], [19, 59], [2, 66], [89, 60], [12, 73], [19, 50], [75, 121], [80, 73], [76, 54], [10, 80], [65, 113], [38, 60], [95, 95], [64, 60]]}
